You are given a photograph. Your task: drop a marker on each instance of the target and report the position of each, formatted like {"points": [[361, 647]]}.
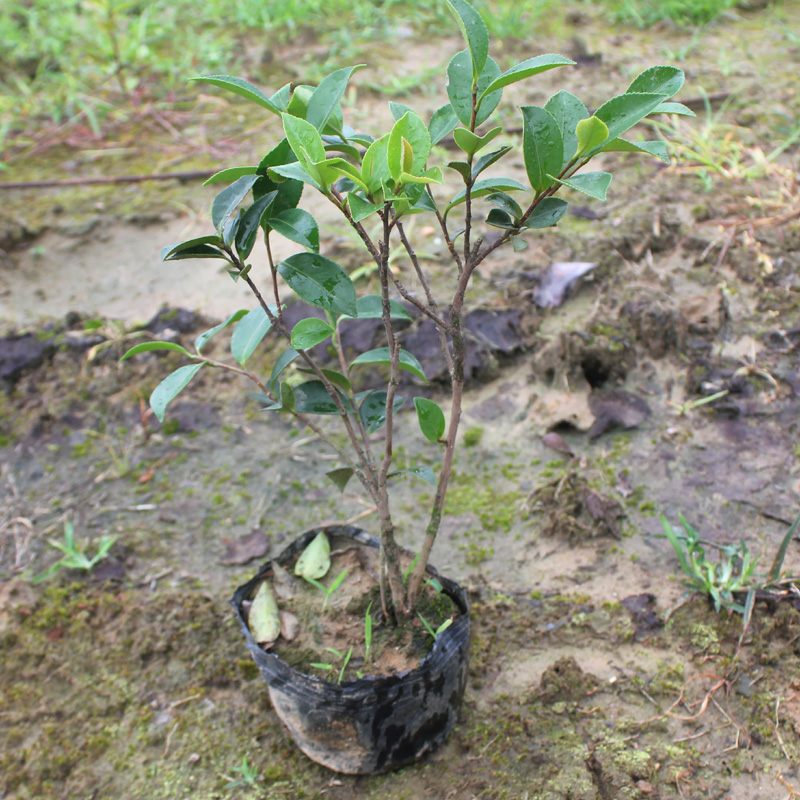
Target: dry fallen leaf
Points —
{"points": [[253, 545], [557, 280]]}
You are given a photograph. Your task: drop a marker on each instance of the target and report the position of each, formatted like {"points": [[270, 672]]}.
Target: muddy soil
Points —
{"points": [[592, 676]]}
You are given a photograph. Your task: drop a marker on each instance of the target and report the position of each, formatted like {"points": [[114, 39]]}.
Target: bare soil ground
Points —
{"points": [[586, 682]]}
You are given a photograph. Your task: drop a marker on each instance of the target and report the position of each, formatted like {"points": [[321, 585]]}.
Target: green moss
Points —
{"points": [[472, 436]]}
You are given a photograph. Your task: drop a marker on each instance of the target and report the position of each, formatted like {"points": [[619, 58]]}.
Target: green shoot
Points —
{"points": [[328, 590], [428, 627], [344, 666], [249, 775], [74, 557], [690, 405]]}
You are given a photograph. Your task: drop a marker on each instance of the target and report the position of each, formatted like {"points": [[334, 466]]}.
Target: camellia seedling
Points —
{"points": [[378, 180]]}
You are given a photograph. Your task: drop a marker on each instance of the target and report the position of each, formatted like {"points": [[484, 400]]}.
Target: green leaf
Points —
{"points": [[500, 219], [281, 98], [380, 355], [533, 66], [310, 332], [321, 282], [518, 244], [375, 164], [399, 110], [370, 306], [674, 108], [296, 172], [542, 146], [360, 208], [264, 618], [470, 142], [201, 340], [461, 167], [241, 87], [175, 252], [285, 358], [484, 187], [315, 560], [567, 111], [506, 203], [305, 141], [298, 226], [658, 80], [591, 132], [340, 476], [621, 113], [312, 397], [426, 473], [145, 347], [198, 251], [431, 419], [443, 121], [411, 129], [287, 399], [547, 213], [248, 227], [373, 410], [336, 378], [657, 149], [326, 97], [332, 168], [171, 387], [594, 184], [431, 175], [488, 159], [474, 31], [230, 174], [226, 202], [249, 332], [459, 88]]}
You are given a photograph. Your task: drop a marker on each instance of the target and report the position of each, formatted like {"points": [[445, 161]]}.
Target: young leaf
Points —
{"points": [[320, 281], [146, 347], [591, 132], [285, 358], [370, 306], [518, 244], [443, 121], [593, 184], [547, 213], [533, 66], [380, 355], [474, 31], [340, 476], [409, 129], [241, 87], [399, 110], [487, 160], [459, 88], [484, 187], [470, 142], [426, 473], [171, 387], [296, 172], [657, 149], [305, 141], [325, 99], [230, 174], [621, 113], [360, 208], [264, 618], [332, 168], [315, 560], [201, 340], [226, 202], [310, 332], [298, 226], [567, 111], [375, 164], [674, 108], [542, 146], [248, 333], [431, 419], [658, 80]]}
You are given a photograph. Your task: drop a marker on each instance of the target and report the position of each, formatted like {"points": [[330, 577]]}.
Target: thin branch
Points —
{"points": [[443, 225]]}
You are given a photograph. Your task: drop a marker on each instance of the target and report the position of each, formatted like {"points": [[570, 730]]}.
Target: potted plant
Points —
{"points": [[380, 181]]}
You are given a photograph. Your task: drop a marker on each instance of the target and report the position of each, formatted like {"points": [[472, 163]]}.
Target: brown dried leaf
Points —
{"points": [[253, 545]]}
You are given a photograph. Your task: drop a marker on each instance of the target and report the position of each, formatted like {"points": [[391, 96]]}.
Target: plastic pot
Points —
{"points": [[372, 724]]}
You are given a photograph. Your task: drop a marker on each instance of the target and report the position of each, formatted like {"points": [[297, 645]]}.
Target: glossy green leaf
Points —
{"points": [[533, 66], [542, 146], [298, 226], [226, 202], [547, 213], [230, 174], [380, 355], [658, 80], [409, 128], [320, 281], [426, 473], [474, 31], [360, 208], [199, 247], [500, 219], [332, 168], [567, 110], [333, 144], [657, 148], [506, 203], [593, 184], [459, 88], [461, 167], [591, 132], [336, 378], [443, 121], [399, 110], [305, 141], [470, 142], [315, 560], [146, 347], [250, 223], [203, 338], [483, 187], [373, 410], [340, 476], [431, 419], [171, 387], [674, 108], [325, 99], [312, 397], [370, 306], [249, 332], [241, 87], [375, 164], [430, 175], [488, 159], [621, 113], [284, 359], [264, 619], [310, 332], [296, 172], [281, 98]]}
